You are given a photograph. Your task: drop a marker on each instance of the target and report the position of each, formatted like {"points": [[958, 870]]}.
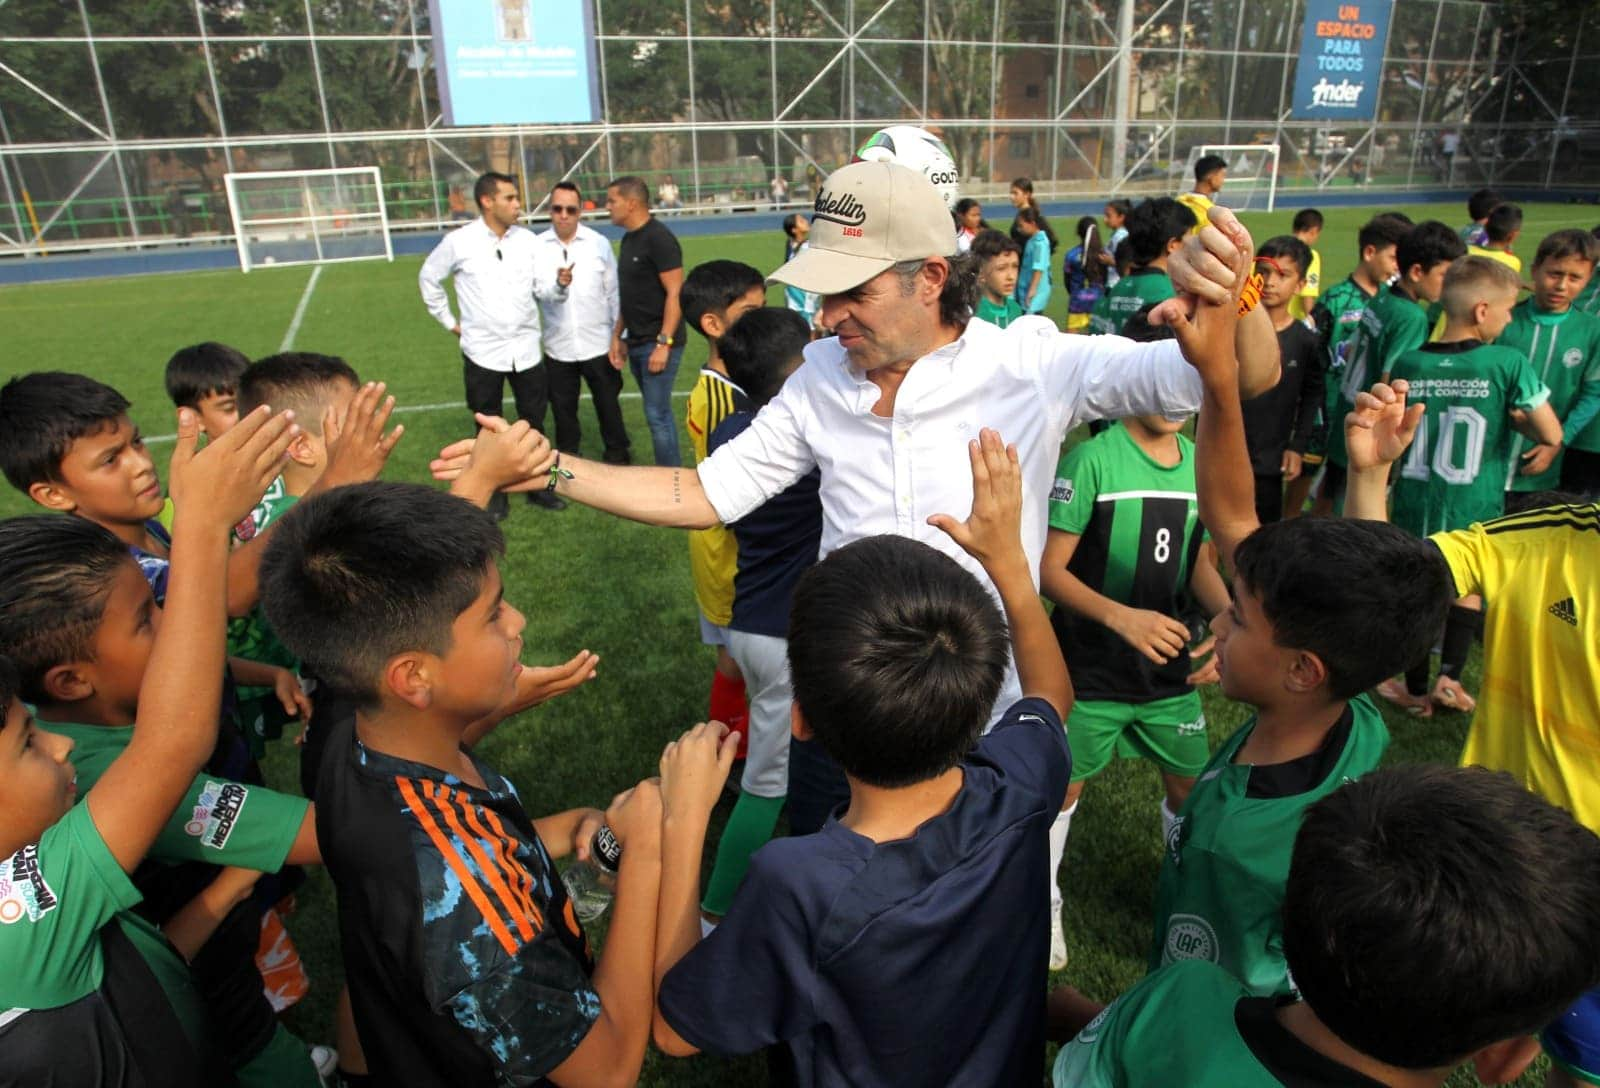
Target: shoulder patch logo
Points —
{"points": [[23, 891], [1190, 937], [1565, 610], [1572, 357], [1061, 490], [217, 812]]}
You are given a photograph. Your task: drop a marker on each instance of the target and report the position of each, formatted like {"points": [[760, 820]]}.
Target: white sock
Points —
{"points": [[1058, 849], [706, 927], [1168, 818]]}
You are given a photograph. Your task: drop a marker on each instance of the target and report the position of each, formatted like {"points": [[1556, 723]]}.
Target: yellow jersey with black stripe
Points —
{"points": [[713, 554], [1200, 204], [1538, 713]]}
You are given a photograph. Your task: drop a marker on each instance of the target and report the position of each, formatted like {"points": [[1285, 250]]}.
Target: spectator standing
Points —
{"points": [[577, 329], [491, 261], [648, 332]]}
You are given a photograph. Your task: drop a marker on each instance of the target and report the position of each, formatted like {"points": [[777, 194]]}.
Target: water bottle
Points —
{"points": [[591, 884]]}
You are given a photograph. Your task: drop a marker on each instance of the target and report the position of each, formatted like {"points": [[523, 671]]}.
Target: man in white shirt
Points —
{"points": [[577, 328], [491, 260]]}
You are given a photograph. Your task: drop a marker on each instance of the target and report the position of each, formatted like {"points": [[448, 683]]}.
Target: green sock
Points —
{"points": [[749, 827]]}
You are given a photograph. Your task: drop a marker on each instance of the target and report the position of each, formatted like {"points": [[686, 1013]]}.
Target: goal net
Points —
{"points": [[1252, 183], [284, 217]]}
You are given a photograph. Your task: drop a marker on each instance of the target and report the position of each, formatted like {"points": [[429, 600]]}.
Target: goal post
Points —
{"points": [[289, 217], [1252, 183]]}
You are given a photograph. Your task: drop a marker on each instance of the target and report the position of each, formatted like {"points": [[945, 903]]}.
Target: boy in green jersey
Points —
{"points": [[1455, 471], [1563, 346], [1433, 917], [999, 266], [1296, 643], [1156, 229], [1393, 323], [92, 1002]]}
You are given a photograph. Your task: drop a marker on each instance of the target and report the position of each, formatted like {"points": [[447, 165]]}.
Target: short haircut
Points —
{"points": [[1431, 911], [1315, 577], [1428, 244], [1503, 222], [633, 187], [300, 380], [42, 414], [1482, 202], [1152, 224], [488, 186], [989, 244], [1306, 219], [55, 578], [761, 348], [1287, 246], [570, 187], [896, 656], [203, 370], [1471, 280], [712, 286], [361, 573], [10, 687], [1382, 231], [1562, 244], [1206, 165]]}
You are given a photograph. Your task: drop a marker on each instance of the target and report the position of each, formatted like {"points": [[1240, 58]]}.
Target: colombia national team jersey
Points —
{"points": [[713, 553]]}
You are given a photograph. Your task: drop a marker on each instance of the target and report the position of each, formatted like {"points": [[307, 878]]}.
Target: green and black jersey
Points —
{"points": [[1139, 288]]}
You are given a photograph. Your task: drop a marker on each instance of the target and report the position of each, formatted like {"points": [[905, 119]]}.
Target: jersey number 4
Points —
{"points": [[1457, 451]]}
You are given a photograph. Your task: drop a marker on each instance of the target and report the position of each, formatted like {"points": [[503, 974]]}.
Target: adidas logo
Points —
{"points": [[1566, 611]]}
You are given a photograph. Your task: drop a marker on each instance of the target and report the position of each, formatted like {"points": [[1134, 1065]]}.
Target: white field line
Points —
{"points": [[300, 310]]}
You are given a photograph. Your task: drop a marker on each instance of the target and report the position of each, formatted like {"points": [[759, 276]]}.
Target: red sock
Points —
{"points": [[728, 706]]}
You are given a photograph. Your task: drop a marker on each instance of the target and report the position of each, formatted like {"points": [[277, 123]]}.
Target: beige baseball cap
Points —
{"points": [[868, 216]]}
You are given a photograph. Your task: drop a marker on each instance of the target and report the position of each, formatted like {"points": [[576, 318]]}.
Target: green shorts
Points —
{"points": [[1171, 733]]}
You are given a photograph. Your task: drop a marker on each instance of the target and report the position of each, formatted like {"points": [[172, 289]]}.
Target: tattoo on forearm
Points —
{"points": [[677, 487]]}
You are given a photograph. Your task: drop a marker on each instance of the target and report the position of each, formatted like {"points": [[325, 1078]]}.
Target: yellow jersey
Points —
{"points": [[1510, 260], [1200, 205], [1538, 712], [713, 553], [1301, 305]]}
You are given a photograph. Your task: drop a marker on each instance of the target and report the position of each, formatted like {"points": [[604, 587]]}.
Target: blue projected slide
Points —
{"points": [[509, 62]]}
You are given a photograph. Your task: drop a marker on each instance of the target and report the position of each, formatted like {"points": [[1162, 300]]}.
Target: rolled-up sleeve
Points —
{"points": [[771, 454]]}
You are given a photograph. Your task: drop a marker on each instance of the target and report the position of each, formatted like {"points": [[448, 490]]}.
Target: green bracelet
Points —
{"points": [[557, 474]]}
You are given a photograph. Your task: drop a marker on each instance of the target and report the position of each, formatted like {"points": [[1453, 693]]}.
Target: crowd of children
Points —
{"points": [[1319, 919]]}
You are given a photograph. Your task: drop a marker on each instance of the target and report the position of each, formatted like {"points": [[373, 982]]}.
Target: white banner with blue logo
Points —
{"points": [[510, 62], [1341, 60]]}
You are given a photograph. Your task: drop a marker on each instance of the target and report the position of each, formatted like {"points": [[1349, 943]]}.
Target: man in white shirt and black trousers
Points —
{"points": [[577, 329], [497, 284]]}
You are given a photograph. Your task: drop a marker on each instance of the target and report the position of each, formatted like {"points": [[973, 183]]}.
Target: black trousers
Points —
{"points": [[605, 383], [529, 388], [1269, 499]]}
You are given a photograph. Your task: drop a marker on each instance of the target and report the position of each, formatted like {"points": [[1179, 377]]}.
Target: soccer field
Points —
{"points": [[587, 580]]}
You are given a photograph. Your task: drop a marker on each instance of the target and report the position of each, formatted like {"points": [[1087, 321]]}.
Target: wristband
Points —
{"points": [[557, 474], [1251, 295]]}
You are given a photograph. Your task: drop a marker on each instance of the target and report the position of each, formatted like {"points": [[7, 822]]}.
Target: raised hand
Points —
{"points": [[357, 447], [993, 530], [1381, 426], [540, 683], [694, 768], [221, 483], [1212, 266]]}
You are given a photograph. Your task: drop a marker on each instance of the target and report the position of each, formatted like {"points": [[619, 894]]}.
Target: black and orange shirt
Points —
{"points": [[465, 962]]}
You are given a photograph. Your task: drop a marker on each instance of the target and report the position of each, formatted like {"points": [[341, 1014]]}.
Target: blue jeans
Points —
{"points": [[657, 392]]}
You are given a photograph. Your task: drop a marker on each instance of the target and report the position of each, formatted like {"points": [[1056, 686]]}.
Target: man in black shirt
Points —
{"points": [[1279, 423], [649, 274]]}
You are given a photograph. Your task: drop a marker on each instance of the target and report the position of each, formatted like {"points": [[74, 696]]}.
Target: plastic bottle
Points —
{"points": [[591, 884]]}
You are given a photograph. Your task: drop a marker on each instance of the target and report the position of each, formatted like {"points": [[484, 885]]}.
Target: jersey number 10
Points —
{"points": [[1452, 462]]}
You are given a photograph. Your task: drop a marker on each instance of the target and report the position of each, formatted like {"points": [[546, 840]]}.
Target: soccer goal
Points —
{"points": [[1252, 183], [283, 217]]}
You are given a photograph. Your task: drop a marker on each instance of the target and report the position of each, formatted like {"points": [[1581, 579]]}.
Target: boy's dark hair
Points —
{"points": [[1306, 219], [1287, 247], [1152, 224], [301, 380], [1382, 230], [9, 688], [712, 286], [1481, 203], [55, 577], [896, 655], [1139, 329], [1428, 244], [203, 370], [361, 573], [989, 244], [632, 186], [1314, 577], [1206, 165], [1561, 244], [761, 348], [42, 414], [1503, 222], [1454, 883], [488, 185]]}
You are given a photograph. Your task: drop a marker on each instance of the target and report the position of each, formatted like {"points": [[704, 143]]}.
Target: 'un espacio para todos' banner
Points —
{"points": [[509, 62], [1341, 60]]}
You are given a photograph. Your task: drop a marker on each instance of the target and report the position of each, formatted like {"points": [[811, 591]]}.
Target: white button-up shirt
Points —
{"points": [[579, 326], [496, 287], [889, 474]]}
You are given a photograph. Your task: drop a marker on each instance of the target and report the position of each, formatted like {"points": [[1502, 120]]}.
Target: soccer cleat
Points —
{"points": [[1395, 691], [1450, 694], [1058, 943]]}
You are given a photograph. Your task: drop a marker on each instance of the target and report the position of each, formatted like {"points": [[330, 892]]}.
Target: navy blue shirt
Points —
{"points": [[777, 542], [915, 962]]}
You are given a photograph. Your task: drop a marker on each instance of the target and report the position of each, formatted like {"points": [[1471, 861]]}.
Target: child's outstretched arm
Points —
{"points": [[992, 534], [1376, 433], [176, 726]]}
